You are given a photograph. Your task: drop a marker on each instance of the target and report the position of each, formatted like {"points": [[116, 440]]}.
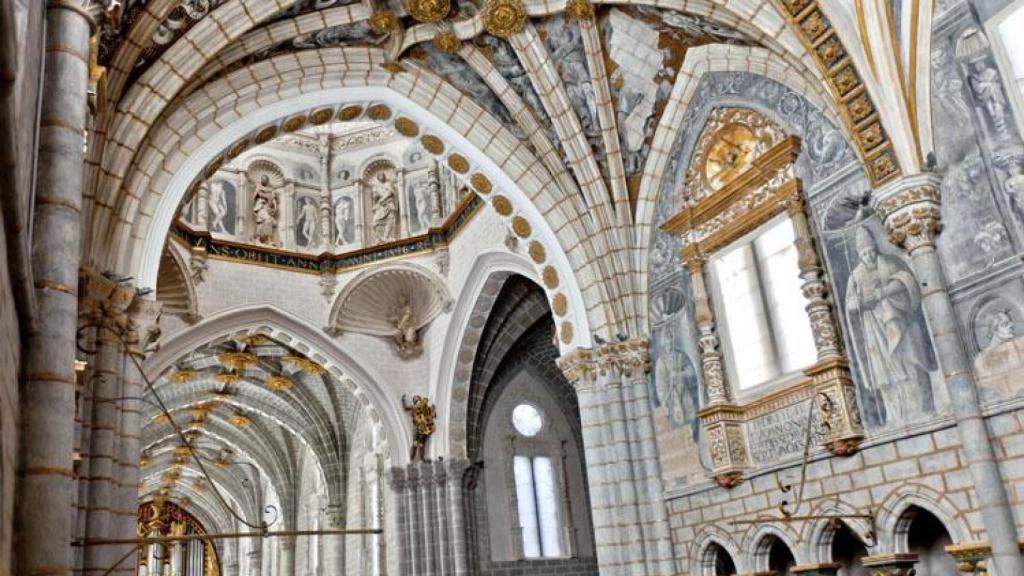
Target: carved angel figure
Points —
{"points": [[406, 335], [423, 415]]}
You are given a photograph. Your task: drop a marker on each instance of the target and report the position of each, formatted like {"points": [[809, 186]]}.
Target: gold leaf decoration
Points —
{"points": [[504, 18], [321, 116], [305, 364], [183, 376], [560, 304], [579, 9], [228, 378], [550, 277], [383, 21], [458, 163], [236, 360], [241, 420], [537, 252], [481, 183], [350, 113], [280, 383], [294, 123], [502, 205], [406, 127], [266, 135], [447, 42], [428, 11], [567, 332], [521, 226], [432, 144], [378, 112], [238, 148]]}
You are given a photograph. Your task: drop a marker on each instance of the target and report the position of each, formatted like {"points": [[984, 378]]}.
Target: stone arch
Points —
{"points": [[709, 536], [819, 534], [758, 541], [175, 285], [894, 520], [473, 306], [431, 281], [387, 416], [137, 234]]}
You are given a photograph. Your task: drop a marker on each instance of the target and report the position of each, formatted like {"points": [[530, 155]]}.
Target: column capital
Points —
{"points": [[890, 564], [971, 557], [97, 12], [579, 367], [910, 211]]}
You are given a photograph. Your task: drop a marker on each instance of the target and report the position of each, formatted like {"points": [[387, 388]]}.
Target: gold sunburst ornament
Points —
{"points": [[383, 22], [280, 383], [305, 364], [504, 18], [241, 420], [236, 360], [447, 42], [579, 9], [428, 11], [183, 376]]}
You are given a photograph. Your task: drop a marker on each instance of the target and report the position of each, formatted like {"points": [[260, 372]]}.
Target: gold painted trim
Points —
{"points": [[55, 286]]}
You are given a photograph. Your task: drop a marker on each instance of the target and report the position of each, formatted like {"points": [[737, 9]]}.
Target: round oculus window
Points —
{"points": [[527, 420]]}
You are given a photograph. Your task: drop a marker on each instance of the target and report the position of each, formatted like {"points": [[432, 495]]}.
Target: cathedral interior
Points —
{"points": [[512, 287]]}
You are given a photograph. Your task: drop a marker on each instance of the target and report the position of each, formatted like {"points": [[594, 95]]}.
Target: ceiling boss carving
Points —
{"points": [[428, 11], [504, 18]]}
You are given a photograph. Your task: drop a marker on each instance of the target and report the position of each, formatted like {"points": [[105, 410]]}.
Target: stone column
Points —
{"points": [[202, 208], [334, 546], [43, 514], [457, 516], [287, 549], [910, 210], [326, 236], [622, 467], [256, 558], [398, 483], [890, 564], [142, 330], [103, 450]]}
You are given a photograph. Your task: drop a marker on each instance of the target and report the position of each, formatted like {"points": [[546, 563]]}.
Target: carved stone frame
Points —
{"points": [[713, 219]]}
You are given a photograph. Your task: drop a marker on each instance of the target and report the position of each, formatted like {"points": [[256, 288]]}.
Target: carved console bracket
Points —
{"points": [[890, 564], [971, 558]]}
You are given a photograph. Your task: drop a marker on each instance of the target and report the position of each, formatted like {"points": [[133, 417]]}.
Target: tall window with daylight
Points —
{"points": [[760, 306], [537, 491]]}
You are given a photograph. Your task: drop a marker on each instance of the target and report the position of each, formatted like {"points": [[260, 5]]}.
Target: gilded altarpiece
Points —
{"points": [[742, 175]]}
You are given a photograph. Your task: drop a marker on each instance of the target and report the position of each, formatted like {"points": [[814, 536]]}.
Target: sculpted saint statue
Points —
{"points": [[884, 306], [385, 209], [265, 212], [406, 336], [218, 206], [423, 415]]}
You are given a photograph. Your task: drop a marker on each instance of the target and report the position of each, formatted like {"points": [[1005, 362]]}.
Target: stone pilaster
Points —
{"points": [[326, 229], [43, 514], [630, 518], [890, 564], [431, 517], [287, 549], [910, 210], [334, 546]]}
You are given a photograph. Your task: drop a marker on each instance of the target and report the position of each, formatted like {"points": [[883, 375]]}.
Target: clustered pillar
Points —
{"points": [[910, 211], [43, 519], [631, 528], [430, 518]]}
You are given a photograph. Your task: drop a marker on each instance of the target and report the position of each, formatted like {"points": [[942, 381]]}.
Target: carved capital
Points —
{"points": [[97, 12], [579, 367], [890, 564], [143, 324], [971, 558], [629, 359], [911, 213]]}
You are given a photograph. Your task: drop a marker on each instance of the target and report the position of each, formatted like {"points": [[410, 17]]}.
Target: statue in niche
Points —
{"points": [[988, 89], [385, 208], [406, 335], [306, 222], [265, 212], [998, 365], [1014, 186], [218, 206], [883, 303], [344, 222], [420, 196], [423, 415]]}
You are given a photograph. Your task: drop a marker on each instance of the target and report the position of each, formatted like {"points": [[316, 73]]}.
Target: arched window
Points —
{"points": [[1008, 47], [717, 561], [927, 537], [538, 491]]}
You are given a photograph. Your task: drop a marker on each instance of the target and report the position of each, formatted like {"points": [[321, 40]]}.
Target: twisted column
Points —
{"points": [[43, 515], [910, 211]]}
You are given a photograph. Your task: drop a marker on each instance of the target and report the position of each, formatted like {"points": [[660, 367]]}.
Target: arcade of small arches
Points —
{"points": [[510, 287]]}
